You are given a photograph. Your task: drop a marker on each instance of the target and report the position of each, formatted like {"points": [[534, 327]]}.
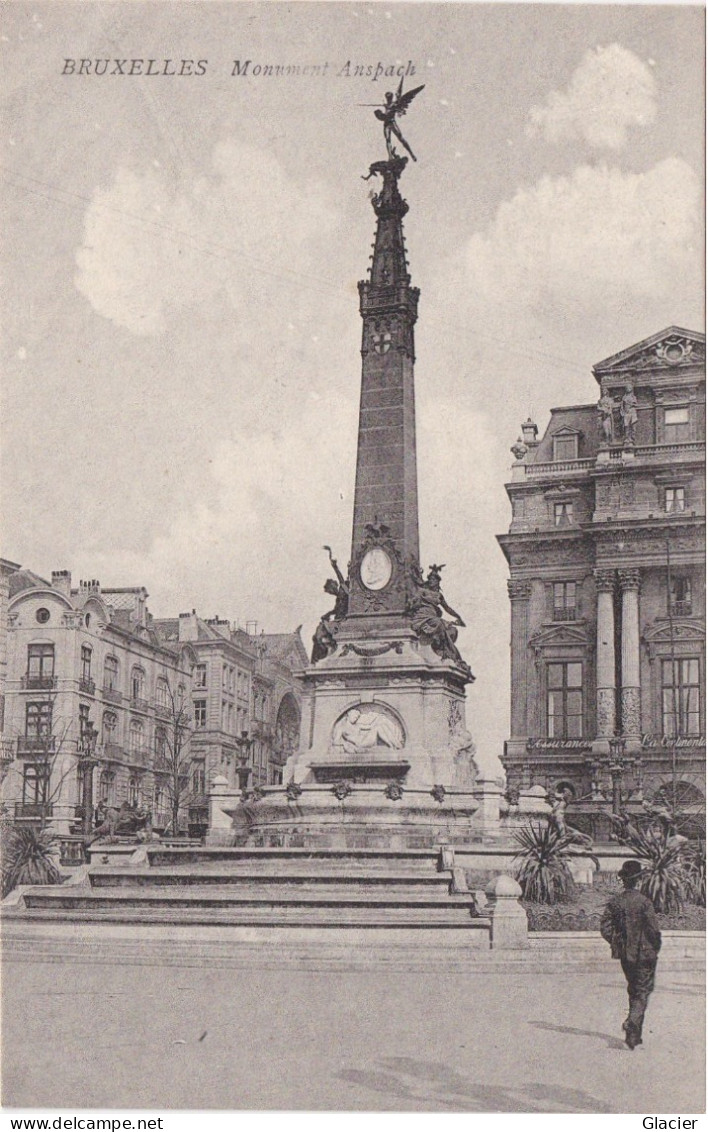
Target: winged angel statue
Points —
{"points": [[394, 106]]}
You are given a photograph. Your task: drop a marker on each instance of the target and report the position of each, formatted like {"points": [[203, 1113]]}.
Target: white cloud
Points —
{"points": [[151, 250], [610, 91], [587, 246]]}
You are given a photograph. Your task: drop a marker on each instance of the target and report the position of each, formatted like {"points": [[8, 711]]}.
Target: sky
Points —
{"points": [[181, 328]]}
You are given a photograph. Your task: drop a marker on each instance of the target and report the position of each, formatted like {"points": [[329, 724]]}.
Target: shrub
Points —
{"points": [[27, 859], [541, 865], [665, 862], [696, 875]]}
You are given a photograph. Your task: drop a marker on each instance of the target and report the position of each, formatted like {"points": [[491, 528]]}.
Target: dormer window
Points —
{"points": [[565, 446]]}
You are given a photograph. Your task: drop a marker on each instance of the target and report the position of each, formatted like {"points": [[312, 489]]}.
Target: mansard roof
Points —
{"points": [[578, 420], [669, 349]]}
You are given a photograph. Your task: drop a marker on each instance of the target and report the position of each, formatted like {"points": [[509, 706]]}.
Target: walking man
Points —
{"points": [[630, 927]]}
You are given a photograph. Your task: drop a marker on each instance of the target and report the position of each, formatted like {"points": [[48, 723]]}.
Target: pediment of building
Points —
{"points": [[670, 349], [678, 631], [559, 636]]}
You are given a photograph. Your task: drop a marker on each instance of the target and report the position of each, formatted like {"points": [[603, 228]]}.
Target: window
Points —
{"points": [[159, 797], [200, 676], [680, 604], [40, 666], [674, 500], [38, 720], [35, 784], [160, 742], [680, 694], [200, 713], [162, 692], [137, 733], [85, 662], [137, 684], [564, 601], [562, 514], [565, 447], [198, 779], [134, 784], [110, 674], [43, 615], [565, 700], [107, 786], [110, 722], [84, 721], [676, 425]]}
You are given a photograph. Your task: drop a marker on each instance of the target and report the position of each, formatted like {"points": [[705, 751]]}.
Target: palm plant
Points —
{"points": [[27, 858], [665, 859], [696, 875], [541, 865]]}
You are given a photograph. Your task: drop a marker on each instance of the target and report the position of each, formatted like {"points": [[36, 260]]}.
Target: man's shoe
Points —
{"points": [[631, 1037]]}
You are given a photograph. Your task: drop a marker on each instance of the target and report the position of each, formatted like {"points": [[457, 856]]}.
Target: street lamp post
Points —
{"points": [[88, 762], [616, 766]]}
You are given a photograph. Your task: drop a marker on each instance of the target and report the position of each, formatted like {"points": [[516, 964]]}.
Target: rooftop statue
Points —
{"points": [[395, 105]]}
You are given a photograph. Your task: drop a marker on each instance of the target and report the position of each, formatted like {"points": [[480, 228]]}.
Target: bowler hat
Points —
{"points": [[630, 869]]}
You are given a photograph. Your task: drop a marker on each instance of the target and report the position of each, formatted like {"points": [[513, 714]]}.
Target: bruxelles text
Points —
{"points": [[242, 68]]}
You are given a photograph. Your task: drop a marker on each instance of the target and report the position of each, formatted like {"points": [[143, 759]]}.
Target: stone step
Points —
{"points": [[190, 876], [325, 860], [210, 906], [218, 896]]}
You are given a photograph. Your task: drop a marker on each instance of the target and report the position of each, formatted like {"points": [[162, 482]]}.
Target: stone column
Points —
{"points": [[519, 594], [606, 705], [631, 708]]}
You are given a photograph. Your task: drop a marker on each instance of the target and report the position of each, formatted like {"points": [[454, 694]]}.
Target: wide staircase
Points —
{"points": [[284, 888]]}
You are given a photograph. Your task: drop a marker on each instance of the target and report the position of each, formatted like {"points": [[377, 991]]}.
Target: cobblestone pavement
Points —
{"points": [[83, 1035]]}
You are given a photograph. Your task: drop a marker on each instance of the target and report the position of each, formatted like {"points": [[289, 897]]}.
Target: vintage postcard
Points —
{"points": [[353, 605]]}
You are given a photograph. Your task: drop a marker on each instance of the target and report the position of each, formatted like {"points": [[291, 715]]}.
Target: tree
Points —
{"points": [[42, 771], [173, 756]]}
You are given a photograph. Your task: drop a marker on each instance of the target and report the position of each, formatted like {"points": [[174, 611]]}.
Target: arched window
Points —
{"points": [[160, 742], [162, 692], [111, 672], [134, 785], [109, 727], [137, 684], [137, 735], [107, 787]]}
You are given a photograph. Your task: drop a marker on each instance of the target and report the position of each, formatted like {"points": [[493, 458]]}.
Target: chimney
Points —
{"points": [[61, 580], [530, 431], [188, 626]]}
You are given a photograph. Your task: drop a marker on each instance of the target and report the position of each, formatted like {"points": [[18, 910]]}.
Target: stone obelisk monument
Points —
{"points": [[385, 758]]}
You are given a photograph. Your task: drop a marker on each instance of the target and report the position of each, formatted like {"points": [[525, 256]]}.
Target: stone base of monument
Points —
{"points": [[345, 815]]}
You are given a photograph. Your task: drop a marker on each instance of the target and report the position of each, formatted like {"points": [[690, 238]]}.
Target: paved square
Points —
{"points": [[80, 1034]]}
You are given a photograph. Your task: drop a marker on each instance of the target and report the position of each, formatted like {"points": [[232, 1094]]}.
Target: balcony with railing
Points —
{"points": [[564, 613], [36, 746], [680, 608], [87, 686], [110, 753], [163, 710], [7, 751], [113, 695], [35, 683], [139, 756], [33, 810], [138, 703]]}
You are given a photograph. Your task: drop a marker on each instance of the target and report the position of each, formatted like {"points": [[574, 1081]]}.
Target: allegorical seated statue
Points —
{"points": [[323, 641], [124, 819], [360, 730], [426, 608]]}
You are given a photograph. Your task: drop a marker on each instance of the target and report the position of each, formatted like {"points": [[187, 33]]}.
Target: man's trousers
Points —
{"points": [[640, 984]]}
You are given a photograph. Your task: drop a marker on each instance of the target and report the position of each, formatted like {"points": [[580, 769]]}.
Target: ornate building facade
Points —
{"points": [[86, 676], [245, 703], [607, 584]]}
